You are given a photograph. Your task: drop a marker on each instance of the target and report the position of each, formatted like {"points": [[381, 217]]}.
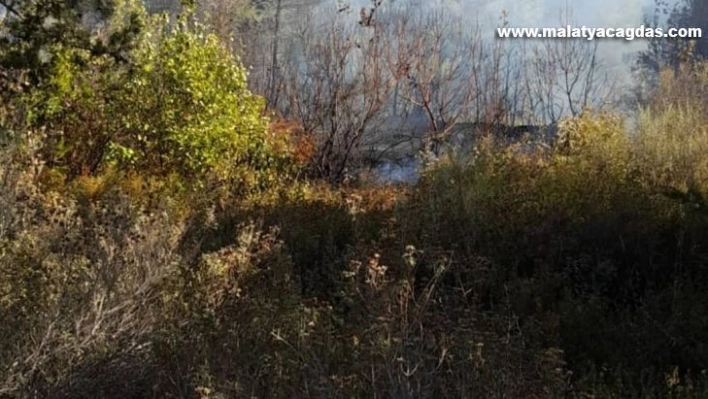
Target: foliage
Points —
{"points": [[34, 28], [599, 234], [672, 54], [193, 110], [569, 273], [182, 107]]}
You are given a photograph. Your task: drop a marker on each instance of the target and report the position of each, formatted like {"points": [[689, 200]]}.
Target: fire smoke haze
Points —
{"points": [[615, 53]]}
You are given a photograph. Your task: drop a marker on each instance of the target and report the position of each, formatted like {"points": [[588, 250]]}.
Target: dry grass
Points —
{"points": [[577, 274]]}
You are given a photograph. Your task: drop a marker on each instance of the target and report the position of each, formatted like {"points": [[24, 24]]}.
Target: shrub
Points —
{"points": [[609, 223], [187, 109], [80, 292], [181, 107]]}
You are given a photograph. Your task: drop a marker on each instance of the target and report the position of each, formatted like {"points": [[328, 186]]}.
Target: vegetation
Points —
{"points": [[158, 239]]}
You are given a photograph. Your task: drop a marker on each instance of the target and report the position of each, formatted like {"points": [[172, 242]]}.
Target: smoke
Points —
{"points": [[616, 54]]}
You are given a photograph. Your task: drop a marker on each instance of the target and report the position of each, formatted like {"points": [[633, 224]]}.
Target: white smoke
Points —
{"points": [[616, 54]]}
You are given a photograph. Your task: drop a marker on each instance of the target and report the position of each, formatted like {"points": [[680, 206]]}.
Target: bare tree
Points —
{"points": [[393, 73], [564, 77], [255, 29], [430, 57], [283, 17], [337, 83]]}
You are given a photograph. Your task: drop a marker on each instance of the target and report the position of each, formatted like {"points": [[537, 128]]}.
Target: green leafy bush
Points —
{"points": [[187, 109], [181, 106]]}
